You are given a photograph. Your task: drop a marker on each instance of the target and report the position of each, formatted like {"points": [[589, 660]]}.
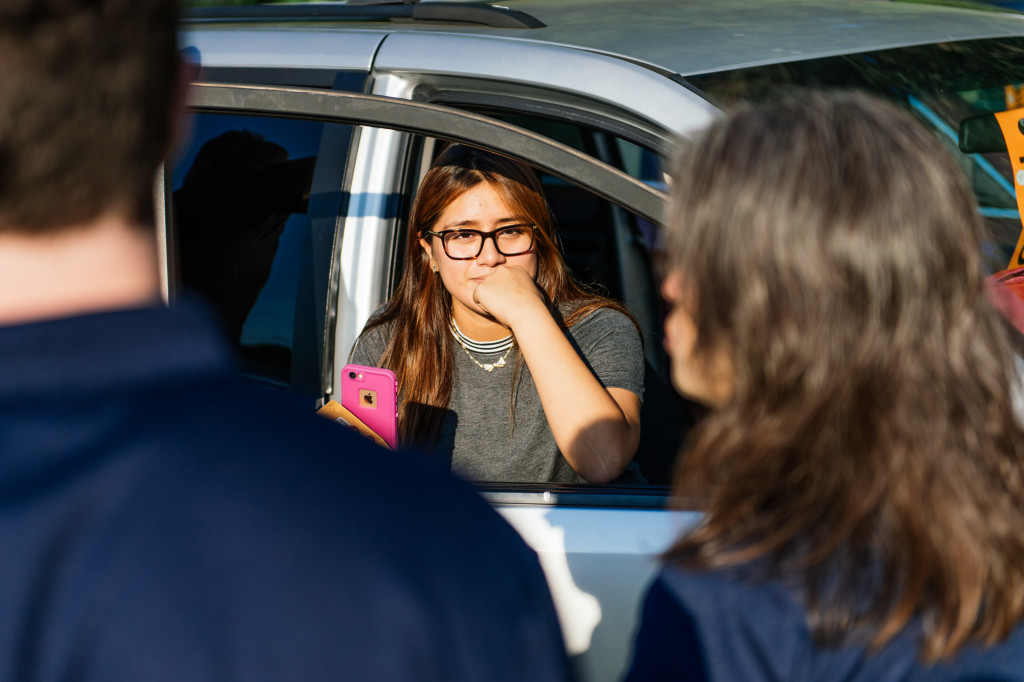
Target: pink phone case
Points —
{"points": [[371, 393]]}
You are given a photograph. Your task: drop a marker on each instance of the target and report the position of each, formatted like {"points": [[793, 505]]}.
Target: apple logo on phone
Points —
{"points": [[368, 398]]}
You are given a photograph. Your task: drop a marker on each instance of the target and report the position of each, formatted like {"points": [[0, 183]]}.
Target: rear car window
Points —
{"points": [[942, 84]]}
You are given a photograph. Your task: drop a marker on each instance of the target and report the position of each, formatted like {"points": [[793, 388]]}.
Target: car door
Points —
{"points": [[598, 544]]}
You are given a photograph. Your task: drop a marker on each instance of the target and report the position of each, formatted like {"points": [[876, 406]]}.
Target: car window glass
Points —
{"points": [[942, 84], [567, 133], [244, 210], [637, 161], [641, 163]]}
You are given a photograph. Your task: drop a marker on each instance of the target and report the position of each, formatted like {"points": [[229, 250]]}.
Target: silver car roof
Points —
{"points": [[693, 36], [702, 36]]}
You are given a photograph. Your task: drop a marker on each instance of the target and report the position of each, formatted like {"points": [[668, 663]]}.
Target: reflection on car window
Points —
{"points": [[942, 84], [241, 195]]}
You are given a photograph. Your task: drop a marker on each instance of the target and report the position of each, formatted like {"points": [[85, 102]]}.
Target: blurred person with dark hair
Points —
{"points": [[159, 519], [863, 465]]}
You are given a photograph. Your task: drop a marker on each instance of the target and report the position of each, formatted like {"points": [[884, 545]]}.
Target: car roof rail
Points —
{"points": [[494, 16]]}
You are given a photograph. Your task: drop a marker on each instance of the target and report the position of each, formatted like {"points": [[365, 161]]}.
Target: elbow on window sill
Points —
{"points": [[601, 452], [605, 466]]}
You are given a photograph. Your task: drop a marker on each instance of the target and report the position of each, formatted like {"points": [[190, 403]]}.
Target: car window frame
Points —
{"points": [[434, 121], [455, 125]]}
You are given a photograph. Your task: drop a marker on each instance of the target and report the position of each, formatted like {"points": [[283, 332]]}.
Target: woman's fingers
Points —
{"points": [[507, 292]]}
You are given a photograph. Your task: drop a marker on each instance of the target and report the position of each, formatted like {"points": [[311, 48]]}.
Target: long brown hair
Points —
{"points": [[420, 348], [870, 448]]}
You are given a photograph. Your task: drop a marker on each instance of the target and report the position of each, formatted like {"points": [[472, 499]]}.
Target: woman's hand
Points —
{"points": [[510, 295]]}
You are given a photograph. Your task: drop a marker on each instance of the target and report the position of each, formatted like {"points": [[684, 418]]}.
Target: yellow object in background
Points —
{"points": [[1009, 123], [1014, 96]]}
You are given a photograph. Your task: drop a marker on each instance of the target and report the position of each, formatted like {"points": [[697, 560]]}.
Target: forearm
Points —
{"points": [[594, 432]]}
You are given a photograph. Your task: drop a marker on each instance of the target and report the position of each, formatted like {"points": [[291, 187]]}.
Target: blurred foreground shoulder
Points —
{"points": [[179, 523], [390, 546], [728, 625]]}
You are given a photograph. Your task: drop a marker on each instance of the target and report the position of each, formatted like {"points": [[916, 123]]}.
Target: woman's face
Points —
{"points": [[478, 208], [707, 379]]}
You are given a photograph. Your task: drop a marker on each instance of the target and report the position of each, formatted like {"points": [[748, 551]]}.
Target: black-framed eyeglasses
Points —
{"points": [[466, 244]]}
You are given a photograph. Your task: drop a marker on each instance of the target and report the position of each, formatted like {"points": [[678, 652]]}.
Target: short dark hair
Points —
{"points": [[86, 98], [870, 446]]}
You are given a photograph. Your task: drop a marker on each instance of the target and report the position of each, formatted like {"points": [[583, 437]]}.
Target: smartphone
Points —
{"points": [[371, 393]]}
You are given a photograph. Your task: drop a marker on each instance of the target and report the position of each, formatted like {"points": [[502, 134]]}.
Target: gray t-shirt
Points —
{"points": [[484, 438]]}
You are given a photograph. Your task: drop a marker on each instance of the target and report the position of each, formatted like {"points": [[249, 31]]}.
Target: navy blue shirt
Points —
{"points": [[162, 520], [712, 626]]}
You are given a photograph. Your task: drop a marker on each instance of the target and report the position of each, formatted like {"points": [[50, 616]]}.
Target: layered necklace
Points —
{"points": [[483, 348]]}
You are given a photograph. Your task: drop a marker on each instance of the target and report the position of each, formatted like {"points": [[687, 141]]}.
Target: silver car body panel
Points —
{"points": [[685, 38], [379, 161], [690, 38], [554, 73], [281, 47], [598, 562], [367, 232]]}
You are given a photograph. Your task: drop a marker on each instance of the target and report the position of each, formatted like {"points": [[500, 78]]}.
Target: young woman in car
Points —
{"points": [[864, 467], [507, 369]]}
